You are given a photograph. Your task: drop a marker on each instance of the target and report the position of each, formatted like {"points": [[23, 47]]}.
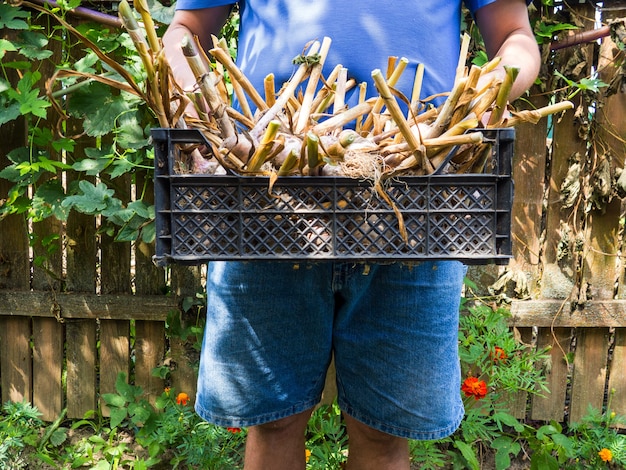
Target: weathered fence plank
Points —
{"points": [[15, 360], [77, 305], [81, 276], [48, 334], [48, 363], [150, 353], [114, 355], [559, 267], [185, 282], [81, 367], [150, 344], [15, 354], [559, 260], [589, 376], [611, 139], [529, 170], [115, 274], [529, 166], [551, 405], [602, 241], [564, 313]]}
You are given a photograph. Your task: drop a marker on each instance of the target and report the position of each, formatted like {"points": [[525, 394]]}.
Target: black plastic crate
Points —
{"points": [[201, 218]]}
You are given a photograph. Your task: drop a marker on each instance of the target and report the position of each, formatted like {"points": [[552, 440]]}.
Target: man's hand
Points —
{"points": [[202, 24], [506, 32]]}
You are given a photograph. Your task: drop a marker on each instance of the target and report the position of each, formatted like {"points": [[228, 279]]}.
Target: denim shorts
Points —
{"points": [[272, 328]]}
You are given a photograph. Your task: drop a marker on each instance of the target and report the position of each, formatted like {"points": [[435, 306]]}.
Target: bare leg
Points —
{"points": [[277, 445], [375, 450]]}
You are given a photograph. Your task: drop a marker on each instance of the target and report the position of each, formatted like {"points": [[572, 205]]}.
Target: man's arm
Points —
{"points": [[201, 23], [506, 32]]}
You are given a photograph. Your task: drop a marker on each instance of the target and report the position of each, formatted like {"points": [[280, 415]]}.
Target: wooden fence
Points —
{"points": [[99, 308]]}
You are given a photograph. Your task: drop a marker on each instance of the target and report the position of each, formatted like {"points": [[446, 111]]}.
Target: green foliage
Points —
{"points": [[19, 426], [597, 431], [491, 353], [545, 32], [80, 100], [427, 455], [13, 18], [26, 97], [119, 120], [125, 404], [326, 439], [551, 448], [488, 347], [585, 85], [171, 431]]}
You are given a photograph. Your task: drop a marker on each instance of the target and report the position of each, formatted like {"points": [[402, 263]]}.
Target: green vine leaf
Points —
{"points": [[96, 162], [12, 17], [93, 200], [47, 201], [28, 97], [69, 4], [130, 132], [6, 46], [34, 45], [99, 108], [148, 232], [592, 85], [159, 12], [9, 110], [545, 33], [468, 454]]}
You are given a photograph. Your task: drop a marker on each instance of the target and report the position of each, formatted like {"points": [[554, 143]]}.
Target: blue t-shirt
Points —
{"points": [[364, 34]]}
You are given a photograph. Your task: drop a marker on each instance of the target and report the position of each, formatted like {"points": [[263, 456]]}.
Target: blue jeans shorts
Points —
{"points": [[272, 328]]}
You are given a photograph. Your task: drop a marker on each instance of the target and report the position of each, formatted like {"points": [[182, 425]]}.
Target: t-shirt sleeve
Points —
{"points": [[198, 4], [473, 5]]}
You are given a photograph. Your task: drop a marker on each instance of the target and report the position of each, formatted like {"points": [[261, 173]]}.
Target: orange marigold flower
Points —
{"points": [[606, 455], [233, 430], [182, 399], [473, 387], [498, 354], [167, 390], [307, 455]]}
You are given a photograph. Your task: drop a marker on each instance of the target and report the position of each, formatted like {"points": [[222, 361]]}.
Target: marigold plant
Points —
{"points": [[498, 354], [474, 387], [182, 399], [606, 455]]}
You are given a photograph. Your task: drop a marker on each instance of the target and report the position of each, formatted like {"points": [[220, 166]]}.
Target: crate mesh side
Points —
{"points": [[328, 222], [281, 235], [462, 234], [463, 197], [190, 198], [206, 234], [369, 233], [410, 197]]}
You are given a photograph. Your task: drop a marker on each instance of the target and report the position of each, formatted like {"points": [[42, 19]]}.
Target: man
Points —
{"points": [[272, 327]]}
